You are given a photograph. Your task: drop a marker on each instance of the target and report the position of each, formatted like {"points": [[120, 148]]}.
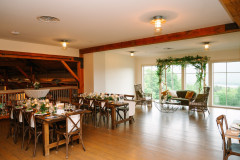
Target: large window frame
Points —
{"points": [[226, 73]]}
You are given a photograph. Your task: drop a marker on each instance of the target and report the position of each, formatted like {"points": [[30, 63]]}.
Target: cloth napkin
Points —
{"points": [[11, 114], [131, 107], [20, 116], [32, 122], [75, 119]]}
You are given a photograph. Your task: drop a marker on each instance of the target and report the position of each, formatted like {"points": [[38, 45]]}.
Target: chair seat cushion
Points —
{"points": [[235, 147]]}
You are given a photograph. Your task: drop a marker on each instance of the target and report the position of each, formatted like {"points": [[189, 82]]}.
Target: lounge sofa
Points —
{"points": [[181, 97]]}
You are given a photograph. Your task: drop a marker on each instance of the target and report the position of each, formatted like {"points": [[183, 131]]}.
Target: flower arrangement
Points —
{"points": [[36, 85]]}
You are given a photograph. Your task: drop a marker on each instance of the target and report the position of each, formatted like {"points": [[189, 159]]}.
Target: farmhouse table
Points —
{"points": [[46, 122]]}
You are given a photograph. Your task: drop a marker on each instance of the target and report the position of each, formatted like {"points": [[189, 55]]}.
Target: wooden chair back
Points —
{"points": [[222, 127], [74, 122], [29, 118]]}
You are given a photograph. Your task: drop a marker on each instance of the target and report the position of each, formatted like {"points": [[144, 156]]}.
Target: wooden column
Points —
{"points": [[80, 74]]}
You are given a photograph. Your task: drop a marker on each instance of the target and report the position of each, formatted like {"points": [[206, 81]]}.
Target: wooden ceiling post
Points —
{"points": [[5, 79], [233, 9], [24, 73], [80, 73], [70, 71]]}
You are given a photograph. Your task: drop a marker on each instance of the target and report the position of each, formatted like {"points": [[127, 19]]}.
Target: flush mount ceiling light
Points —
{"points": [[15, 32], [64, 43], [132, 53], [47, 19], [158, 21], [206, 45]]}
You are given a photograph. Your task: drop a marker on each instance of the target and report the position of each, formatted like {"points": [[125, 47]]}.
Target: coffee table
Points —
{"points": [[168, 106]]}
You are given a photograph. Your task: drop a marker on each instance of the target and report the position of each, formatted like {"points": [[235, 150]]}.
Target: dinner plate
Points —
{"points": [[236, 125], [50, 117], [39, 114]]}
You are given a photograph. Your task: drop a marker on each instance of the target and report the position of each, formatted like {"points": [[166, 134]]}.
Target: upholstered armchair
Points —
{"points": [[141, 97]]}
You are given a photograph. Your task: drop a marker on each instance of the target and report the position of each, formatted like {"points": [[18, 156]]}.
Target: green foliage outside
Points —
{"points": [[151, 84], [233, 96]]}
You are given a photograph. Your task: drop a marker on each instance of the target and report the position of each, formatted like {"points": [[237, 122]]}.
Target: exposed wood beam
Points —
{"points": [[214, 30], [24, 73], [25, 55], [70, 71], [233, 9]]}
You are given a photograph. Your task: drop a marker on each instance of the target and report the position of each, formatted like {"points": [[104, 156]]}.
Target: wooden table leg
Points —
{"points": [[46, 139], [131, 119], [113, 117]]}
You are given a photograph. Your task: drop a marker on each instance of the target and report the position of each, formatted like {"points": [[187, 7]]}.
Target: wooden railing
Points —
{"points": [[56, 94]]}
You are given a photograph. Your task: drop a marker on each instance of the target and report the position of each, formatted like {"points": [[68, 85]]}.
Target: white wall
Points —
{"points": [[37, 48], [99, 72], [109, 72], [120, 74]]}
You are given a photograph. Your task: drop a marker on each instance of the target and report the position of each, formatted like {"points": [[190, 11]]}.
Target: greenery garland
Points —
{"points": [[198, 62]]}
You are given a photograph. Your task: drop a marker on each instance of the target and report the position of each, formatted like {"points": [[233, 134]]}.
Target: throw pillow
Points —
{"points": [[173, 94], [200, 98], [164, 93], [189, 94]]}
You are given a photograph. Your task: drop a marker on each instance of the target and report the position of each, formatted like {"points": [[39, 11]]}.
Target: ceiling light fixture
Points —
{"points": [[64, 43], [206, 45], [15, 32], [158, 21], [132, 53], [47, 19]]}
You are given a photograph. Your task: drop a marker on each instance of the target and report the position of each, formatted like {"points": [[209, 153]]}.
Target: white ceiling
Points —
{"points": [[91, 23]]}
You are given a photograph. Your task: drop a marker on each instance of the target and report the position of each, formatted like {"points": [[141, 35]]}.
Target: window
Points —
{"points": [[191, 78], [174, 78], [226, 84], [150, 81]]}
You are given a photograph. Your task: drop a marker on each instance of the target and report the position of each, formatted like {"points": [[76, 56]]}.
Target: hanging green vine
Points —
{"points": [[198, 62]]}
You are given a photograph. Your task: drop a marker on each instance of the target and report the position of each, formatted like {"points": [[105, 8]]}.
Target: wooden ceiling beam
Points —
{"points": [[25, 55], [10, 64], [233, 9], [70, 71], [209, 31]]}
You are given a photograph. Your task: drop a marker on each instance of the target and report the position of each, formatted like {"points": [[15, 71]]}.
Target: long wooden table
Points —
{"points": [[46, 122], [114, 106]]}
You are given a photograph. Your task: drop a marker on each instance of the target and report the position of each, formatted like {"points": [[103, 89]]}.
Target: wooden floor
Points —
{"points": [[153, 135]]}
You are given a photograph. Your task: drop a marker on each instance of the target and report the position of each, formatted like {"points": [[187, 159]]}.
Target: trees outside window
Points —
{"points": [[190, 76], [150, 79]]}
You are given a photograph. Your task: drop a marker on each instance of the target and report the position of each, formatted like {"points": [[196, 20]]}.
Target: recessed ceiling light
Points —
{"points": [[167, 48], [47, 19], [15, 33]]}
